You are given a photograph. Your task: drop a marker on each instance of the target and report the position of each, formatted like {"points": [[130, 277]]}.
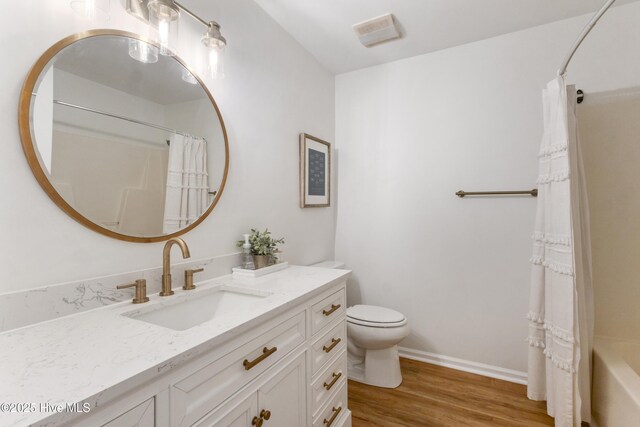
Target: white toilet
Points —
{"points": [[374, 333], [372, 348]]}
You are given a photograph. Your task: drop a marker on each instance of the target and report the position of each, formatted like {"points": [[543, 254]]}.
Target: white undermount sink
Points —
{"points": [[187, 311]]}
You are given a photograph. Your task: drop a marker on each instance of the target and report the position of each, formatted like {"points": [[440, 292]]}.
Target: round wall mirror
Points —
{"points": [[128, 142]]}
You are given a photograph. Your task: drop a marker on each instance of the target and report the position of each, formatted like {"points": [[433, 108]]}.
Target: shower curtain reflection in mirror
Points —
{"points": [[187, 194]]}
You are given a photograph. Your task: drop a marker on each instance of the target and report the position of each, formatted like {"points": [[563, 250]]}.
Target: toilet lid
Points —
{"points": [[374, 314]]}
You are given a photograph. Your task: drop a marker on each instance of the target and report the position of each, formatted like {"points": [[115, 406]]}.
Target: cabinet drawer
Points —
{"points": [[327, 310], [329, 381], [333, 414], [328, 346], [202, 391]]}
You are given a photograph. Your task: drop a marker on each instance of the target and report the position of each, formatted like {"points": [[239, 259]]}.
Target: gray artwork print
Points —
{"points": [[316, 173]]}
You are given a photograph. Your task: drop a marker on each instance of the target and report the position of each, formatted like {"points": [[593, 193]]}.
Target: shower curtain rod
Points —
{"points": [[115, 116], [563, 68]]}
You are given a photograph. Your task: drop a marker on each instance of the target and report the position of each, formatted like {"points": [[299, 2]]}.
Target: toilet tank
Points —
{"points": [[329, 264]]}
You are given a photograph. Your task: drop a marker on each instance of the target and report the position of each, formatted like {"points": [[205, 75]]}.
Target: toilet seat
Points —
{"points": [[375, 317]]}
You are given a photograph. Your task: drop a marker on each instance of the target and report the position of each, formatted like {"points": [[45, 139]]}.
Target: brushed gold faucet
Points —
{"points": [[141, 290], [166, 263], [188, 279]]}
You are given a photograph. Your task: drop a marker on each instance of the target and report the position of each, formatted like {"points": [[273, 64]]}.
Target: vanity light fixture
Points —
{"points": [[165, 16], [214, 44], [91, 9]]}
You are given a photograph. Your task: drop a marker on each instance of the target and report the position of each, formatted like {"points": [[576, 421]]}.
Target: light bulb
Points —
{"points": [[163, 35], [91, 10], [210, 63], [143, 51], [216, 63]]}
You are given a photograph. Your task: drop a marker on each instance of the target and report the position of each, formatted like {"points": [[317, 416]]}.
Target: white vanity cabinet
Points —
{"points": [[288, 371], [142, 415]]}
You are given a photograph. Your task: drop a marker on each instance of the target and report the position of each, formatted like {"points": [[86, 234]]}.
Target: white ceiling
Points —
{"points": [[324, 27], [105, 60]]}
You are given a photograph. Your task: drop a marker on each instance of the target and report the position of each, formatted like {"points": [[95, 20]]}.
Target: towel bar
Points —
{"points": [[532, 193]]}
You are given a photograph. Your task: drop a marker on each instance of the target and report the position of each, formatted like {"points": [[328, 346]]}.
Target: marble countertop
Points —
{"points": [[95, 355]]}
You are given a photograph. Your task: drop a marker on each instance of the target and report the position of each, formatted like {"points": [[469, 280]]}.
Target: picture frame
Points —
{"points": [[315, 172]]}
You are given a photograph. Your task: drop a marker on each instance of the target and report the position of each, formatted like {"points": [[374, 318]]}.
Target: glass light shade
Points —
{"points": [[164, 15], [163, 10], [188, 77], [214, 64], [143, 51], [92, 10]]}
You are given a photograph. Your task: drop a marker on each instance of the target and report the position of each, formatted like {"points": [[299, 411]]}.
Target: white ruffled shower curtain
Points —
{"points": [[561, 302], [187, 193]]}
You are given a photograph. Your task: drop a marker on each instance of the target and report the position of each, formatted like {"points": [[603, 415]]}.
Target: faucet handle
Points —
{"points": [[188, 279], [141, 290]]}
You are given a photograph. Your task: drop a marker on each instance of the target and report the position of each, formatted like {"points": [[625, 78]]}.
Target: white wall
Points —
{"points": [[272, 91], [409, 134], [77, 90], [609, 129]]}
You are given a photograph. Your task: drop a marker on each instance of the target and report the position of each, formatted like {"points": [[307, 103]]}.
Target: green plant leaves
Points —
{"points": [[262, 243]]}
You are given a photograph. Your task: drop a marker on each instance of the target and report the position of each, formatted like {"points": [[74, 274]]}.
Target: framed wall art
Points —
{"points": [[315, 172]]}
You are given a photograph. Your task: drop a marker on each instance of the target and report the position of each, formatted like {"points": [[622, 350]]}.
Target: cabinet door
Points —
{"points": [[232, 414], [140, 416], [195, 396], [284, 396]]}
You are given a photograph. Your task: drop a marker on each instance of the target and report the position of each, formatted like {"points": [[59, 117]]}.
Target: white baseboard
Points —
{"points": [[464, 365]]}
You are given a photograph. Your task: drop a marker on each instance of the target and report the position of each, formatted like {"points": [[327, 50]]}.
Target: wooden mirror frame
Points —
{"points": [[31, 153]]}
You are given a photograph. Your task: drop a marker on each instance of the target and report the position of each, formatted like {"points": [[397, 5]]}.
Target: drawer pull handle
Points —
{"points": [[257, 422], [266, 414], [334, 342], [335, 379], [334, 307], [266, 352], [335, 411]]}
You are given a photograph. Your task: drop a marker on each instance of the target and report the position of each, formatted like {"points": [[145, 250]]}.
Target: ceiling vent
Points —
{"points": [[377, 30]]}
